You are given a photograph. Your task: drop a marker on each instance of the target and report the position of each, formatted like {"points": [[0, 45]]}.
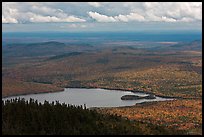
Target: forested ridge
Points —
{"points": [[20, 117]]}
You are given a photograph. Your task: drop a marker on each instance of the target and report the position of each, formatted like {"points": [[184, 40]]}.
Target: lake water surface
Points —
{"points": [[90, 97]]}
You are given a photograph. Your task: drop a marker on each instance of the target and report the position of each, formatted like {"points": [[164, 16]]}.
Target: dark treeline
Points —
{"points": [[20, 117]]}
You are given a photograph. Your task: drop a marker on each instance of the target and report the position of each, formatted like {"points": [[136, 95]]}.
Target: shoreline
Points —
{"points": [[84, 87], [135, 91], [31, 93]]}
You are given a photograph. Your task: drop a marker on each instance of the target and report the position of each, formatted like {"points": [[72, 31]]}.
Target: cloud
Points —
{"points": [[173, 11], [9, 20], [73, 26], [36, 14], [101, 18], [40, 18], [9, 15], [130, 17], [166, 19], [120, 18], [94, 4], [154, 12], [28, 12], [76, 26]]}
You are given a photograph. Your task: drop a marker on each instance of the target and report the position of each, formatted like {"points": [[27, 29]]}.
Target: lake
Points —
{"points": [[90, 97]]}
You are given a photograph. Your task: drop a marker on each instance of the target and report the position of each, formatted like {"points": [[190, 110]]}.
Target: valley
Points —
{"points": [[165, 69]]}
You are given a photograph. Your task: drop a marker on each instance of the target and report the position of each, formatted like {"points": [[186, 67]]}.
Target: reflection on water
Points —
{"points": [[90, 97]]}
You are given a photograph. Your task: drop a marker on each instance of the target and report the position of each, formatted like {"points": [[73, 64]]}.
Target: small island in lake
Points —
{"points": [[135, 97]]}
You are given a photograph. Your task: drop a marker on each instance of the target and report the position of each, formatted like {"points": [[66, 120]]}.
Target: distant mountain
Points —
{"points": [[194, 45], [181, 46], [34, 49], [52, 48]]}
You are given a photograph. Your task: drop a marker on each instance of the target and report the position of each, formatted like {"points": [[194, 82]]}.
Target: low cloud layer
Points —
{"points": [[120, 18], [11, 13], [31, 12], [161, 12]]}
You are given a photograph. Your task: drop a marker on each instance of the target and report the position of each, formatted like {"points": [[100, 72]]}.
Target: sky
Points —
{"points": [[101, 16]]}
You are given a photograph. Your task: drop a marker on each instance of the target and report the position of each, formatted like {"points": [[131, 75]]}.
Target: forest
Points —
{"points": [[164, 70], [20, 117]]}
